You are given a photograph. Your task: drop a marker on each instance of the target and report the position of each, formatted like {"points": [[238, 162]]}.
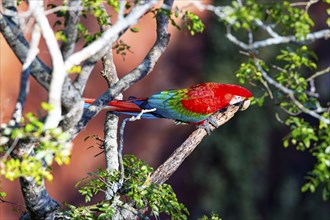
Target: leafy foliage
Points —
{"points": [[51, 145], [213, 216], [2, 194], [121, 47], [303, 134], [193, 23], [136, 187], [288, 83], [190, 20], [286, 18]]}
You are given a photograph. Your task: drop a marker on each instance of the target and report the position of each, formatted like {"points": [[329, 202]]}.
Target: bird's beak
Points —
{"points": [[245, 105]]}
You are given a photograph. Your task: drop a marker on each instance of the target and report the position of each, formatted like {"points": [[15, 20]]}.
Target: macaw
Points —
{"points": [[190, 105]]}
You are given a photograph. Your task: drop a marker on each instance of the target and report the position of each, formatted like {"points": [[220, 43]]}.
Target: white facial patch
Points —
{"points": [[236, 99]]}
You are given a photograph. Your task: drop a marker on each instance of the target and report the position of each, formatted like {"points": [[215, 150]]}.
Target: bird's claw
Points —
{"points": [[206, 124]]}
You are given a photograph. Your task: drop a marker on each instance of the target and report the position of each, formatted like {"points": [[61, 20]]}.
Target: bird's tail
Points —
{"points": [[117, 105], [127, 107]]}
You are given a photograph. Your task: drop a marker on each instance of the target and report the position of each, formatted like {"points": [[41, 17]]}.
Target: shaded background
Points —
{"points": [[241, 171]]}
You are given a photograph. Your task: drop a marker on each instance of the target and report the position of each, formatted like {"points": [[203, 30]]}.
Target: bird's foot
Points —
{"points": [[207, 124]]}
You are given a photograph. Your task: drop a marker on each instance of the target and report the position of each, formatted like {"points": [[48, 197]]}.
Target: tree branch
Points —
{"points": [[108, 37], [24, 84], [290, 93], [38, 69], [58, 73], [20, 47], [38, 202], [109, 73], [143, 69], [70, 31], [164, 171], [222, 12], [71, 99], [319, 73]]}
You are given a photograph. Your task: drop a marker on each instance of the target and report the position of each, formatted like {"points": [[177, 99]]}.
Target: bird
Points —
{"points": [[193, 105]]}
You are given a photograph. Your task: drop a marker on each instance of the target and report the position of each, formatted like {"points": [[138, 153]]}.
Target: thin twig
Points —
{"points": [[267, 28], [319, 73], [307, 111], [307, 4], [11, 148], [12, 203], [131, 209], [24, 83], [121, 141]]}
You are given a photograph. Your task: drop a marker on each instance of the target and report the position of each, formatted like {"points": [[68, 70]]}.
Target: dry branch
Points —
{"points": [[164, 171]]}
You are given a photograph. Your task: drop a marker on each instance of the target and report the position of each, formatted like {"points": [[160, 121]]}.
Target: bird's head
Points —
{"points": [[236, 95]]}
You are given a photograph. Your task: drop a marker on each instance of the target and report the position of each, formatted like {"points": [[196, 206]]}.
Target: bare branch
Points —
{"points": [[108, 37], [307, 111], [323, 34], [164, 171], [70, 31], [143, 69], [19, 45], [87, 67], [319, 73], [74, 6], [59, 73], [71, 99], [24, 84], [109, 73], [306, 4], [132, 210], [267, 28]]}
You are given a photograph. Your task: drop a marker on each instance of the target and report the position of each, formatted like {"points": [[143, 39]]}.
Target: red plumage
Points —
{"points": [[210, 97], [118, 105]]}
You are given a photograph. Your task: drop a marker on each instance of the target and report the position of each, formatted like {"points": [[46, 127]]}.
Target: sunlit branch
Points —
{"points": [[164, 171], [58, 73], [108, 37], [323, 34], [143, 69]]}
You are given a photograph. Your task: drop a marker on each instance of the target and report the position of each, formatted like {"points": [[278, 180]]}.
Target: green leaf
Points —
{"points": [[46, 106], [135, 29]]}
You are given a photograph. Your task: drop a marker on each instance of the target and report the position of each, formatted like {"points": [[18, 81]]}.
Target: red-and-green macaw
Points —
{"points": [[191, 105]]}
